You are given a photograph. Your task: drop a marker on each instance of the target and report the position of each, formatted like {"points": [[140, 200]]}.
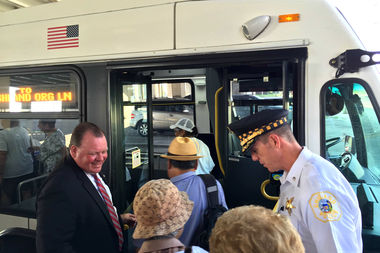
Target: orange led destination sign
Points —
{"points": [[26, 94]]}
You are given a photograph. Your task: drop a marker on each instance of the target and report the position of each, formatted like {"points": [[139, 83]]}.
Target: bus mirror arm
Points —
{"points": [[353, 59]]}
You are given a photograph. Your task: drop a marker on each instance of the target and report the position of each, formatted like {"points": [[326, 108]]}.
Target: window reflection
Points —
{"points": [[29, 150], [38, 113]]}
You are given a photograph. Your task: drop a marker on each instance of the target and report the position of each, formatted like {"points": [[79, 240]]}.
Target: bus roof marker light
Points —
{"points": [[288, 18], [254, 27]]}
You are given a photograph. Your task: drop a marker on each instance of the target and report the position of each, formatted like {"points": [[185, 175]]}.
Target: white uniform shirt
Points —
{"points": [[205, 164], [322, 205]]}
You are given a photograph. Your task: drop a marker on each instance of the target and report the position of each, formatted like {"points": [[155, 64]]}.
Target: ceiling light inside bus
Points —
{"points": [[255, 26]]}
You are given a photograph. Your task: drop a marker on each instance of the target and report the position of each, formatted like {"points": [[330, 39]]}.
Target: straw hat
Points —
{"points": [[182, 149], [160, 209], [184, 124]]}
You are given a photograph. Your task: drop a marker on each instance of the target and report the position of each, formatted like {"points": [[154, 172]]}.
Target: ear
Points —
{"points": [[196, 164], [73, 151], [275, 140]]}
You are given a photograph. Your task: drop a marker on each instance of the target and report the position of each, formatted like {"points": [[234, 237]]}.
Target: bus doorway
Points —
{"points": [[254, 88], [146, 101], [148, 107]]}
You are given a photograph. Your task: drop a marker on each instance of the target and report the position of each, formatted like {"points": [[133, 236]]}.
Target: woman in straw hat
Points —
{"points": [[186, 128], [161, 211]]}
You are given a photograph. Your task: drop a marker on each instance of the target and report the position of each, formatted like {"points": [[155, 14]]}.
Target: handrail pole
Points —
{"points": [[216, 137]]}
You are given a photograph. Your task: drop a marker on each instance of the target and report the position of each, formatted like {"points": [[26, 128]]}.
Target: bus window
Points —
{"points": [[352, 131], [38, 112], [51, 92], [352, 143], [254, 92]]}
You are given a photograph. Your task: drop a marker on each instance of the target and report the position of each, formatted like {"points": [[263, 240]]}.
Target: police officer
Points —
{"points": [[319, 201]]}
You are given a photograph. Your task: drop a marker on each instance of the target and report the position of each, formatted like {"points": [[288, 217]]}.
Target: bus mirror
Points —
{"points": [[334, 104]]}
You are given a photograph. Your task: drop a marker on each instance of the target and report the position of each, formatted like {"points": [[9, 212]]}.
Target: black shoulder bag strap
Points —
{"points": [[211, 189]]}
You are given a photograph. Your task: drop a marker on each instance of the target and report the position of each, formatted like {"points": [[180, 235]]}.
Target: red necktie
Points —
{"points": [[111, 210]]}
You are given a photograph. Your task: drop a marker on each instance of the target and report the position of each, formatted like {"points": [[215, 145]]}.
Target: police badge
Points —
{"points": [[289, 205]]}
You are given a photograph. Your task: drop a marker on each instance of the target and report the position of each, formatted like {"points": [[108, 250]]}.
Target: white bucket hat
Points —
{"points": [[184, 124]]}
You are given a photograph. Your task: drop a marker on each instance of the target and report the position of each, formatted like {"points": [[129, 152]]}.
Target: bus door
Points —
{"points": [[131, 150], [143, 111], [351, 141], [253, 89]]}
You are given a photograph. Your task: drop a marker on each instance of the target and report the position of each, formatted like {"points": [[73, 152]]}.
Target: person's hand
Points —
{"points": [[128, 219], [33, 149]]}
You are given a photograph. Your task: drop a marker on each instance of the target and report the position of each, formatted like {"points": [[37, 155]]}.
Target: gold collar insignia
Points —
{"points": [[289, 206]]}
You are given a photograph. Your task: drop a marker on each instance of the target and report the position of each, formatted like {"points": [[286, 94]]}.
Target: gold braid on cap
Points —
{"points": [[246, 139]]}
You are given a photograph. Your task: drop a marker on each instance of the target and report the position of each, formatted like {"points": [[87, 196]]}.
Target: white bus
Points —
{"points": [[134, 67]]}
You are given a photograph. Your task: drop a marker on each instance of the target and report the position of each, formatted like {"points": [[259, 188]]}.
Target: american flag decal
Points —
{"points": [[63, 37]]}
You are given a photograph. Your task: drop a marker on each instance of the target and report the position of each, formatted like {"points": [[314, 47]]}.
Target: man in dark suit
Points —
{"points": [[74, 207]]}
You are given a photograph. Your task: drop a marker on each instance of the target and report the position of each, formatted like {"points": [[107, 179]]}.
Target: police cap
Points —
{"points": [[251, 127]]}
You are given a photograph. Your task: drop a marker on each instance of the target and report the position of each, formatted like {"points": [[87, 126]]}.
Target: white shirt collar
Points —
{"points": [[294, 174], [92, 179]]}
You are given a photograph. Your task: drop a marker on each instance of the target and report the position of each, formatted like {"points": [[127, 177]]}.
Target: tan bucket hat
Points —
{"points": [[160, 209], [182, 149]]}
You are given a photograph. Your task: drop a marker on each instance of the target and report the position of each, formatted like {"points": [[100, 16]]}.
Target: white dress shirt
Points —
{"points": [[92, 179]]}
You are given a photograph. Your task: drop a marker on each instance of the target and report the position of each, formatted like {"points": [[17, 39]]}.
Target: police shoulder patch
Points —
{"points": [[325, 206]]}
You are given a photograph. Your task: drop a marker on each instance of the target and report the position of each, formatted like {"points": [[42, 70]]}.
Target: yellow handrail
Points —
{"points": [[275, 207], [262, 188], [217, 131]]}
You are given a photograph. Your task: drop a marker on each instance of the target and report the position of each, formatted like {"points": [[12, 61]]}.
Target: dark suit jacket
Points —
{"points": [[71, 215]]}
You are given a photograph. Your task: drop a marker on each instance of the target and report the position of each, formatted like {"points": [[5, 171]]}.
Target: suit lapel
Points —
{"points": [[92, 191]]}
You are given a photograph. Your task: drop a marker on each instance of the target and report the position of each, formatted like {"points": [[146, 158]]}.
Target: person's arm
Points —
{"points": [[56, 221], [3, 158], [222, 199], [63, 153], [331, 221]]}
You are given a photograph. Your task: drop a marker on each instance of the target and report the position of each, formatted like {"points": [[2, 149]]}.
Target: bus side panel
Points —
{"points": [[321, 24], [62, 9], [100, 35], [318, 22]]}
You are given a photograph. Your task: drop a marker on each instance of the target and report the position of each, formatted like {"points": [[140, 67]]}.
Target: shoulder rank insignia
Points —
{"points": [[325, 206], [289, 205]]}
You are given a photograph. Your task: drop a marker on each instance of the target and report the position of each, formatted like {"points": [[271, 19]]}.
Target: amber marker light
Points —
{"points": [[288, 18]]}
